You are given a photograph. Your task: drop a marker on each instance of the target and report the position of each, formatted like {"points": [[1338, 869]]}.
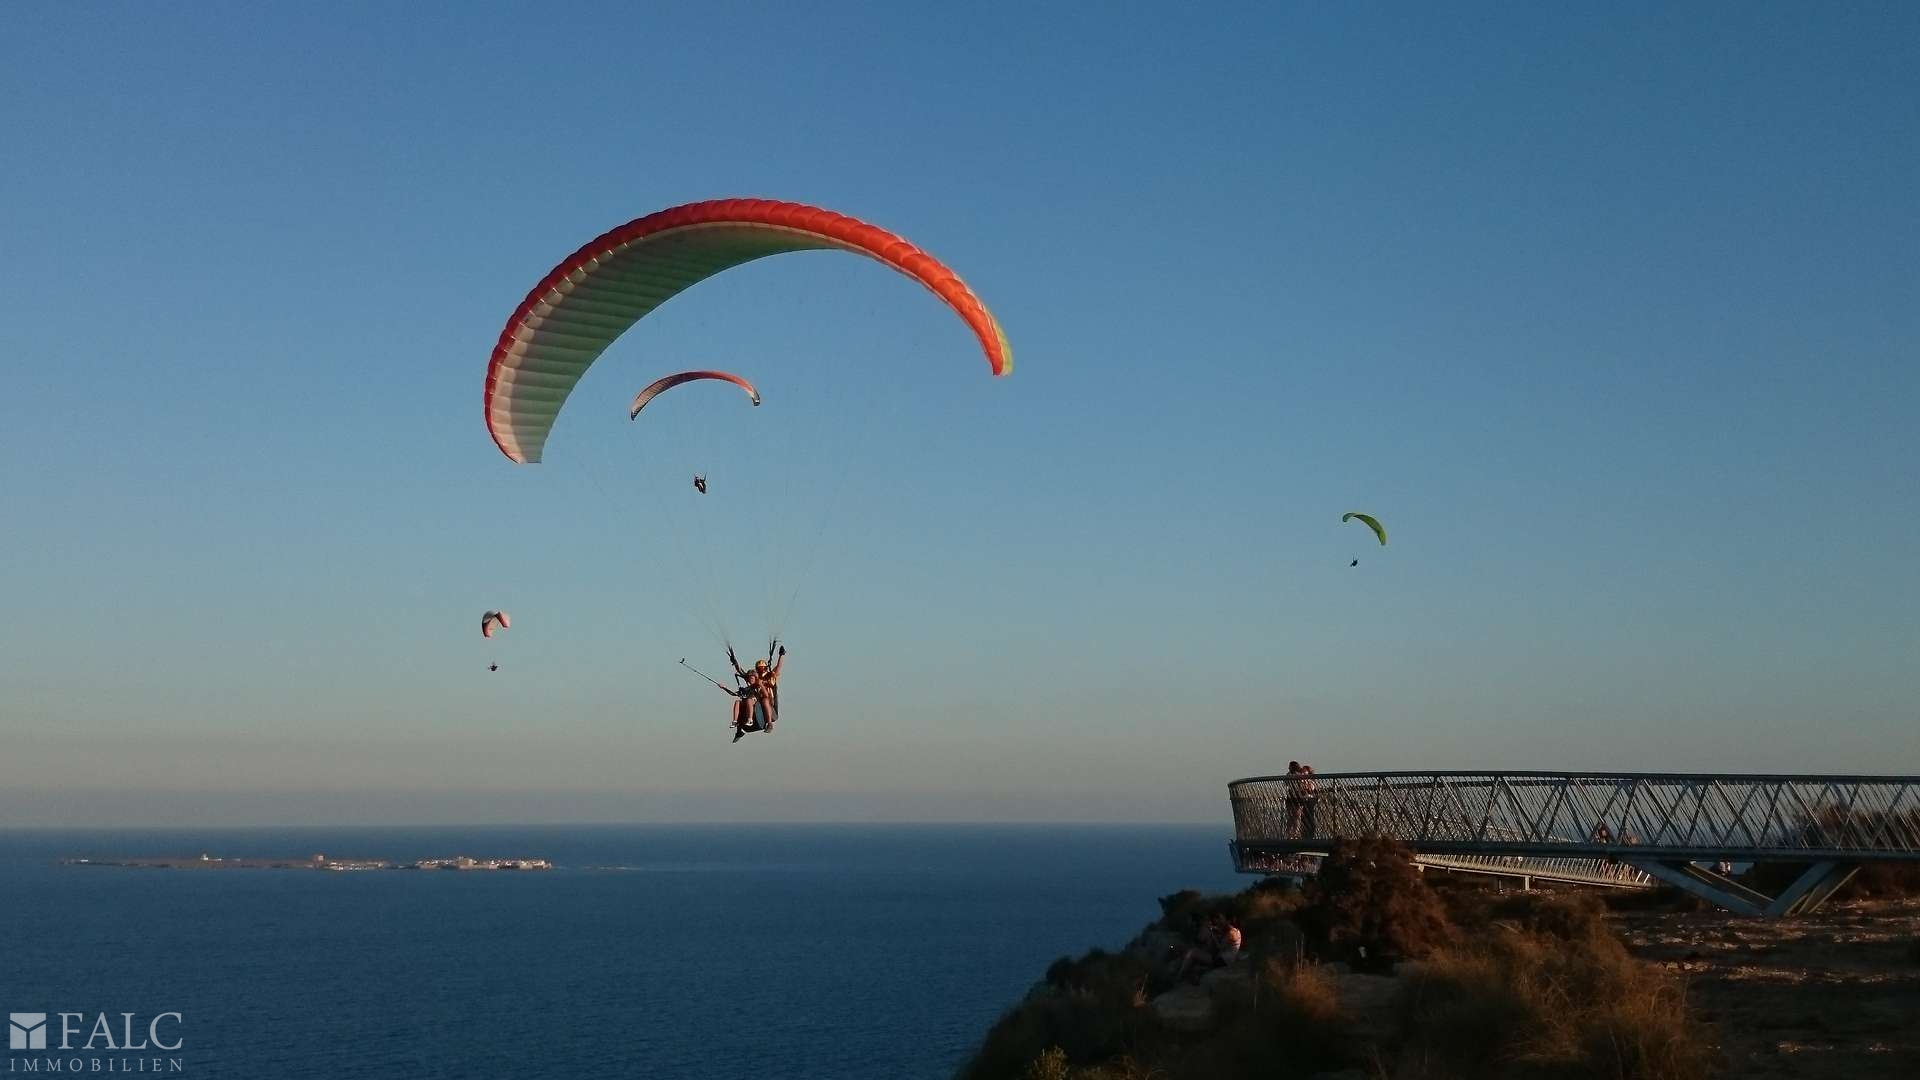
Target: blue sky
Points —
{"points": [[1609, 314]]}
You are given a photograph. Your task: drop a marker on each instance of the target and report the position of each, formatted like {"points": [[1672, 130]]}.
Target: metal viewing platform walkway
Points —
{"points": [[1614, 829]]}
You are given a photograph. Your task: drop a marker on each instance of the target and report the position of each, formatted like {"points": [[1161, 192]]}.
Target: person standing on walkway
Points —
{"points": [[1296, 805], [1309, 804]]}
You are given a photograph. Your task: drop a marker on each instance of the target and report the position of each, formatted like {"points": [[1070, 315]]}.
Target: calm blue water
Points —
{"points": [[670, 951]]}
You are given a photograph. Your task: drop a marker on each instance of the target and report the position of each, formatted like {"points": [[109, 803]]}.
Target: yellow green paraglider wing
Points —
{"points": [[1379, 530]]}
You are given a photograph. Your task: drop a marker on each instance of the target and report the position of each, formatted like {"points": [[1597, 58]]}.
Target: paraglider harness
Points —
{"points": [[766, 707], [759, 686]]}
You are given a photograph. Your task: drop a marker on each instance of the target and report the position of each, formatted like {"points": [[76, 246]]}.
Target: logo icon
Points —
{"points": [[27, 1031]]}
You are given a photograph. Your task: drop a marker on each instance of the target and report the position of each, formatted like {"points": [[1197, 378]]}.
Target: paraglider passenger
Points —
{"points": [[744, 696], [777, 653], [700, 484], [742, 711], [753, 711]]}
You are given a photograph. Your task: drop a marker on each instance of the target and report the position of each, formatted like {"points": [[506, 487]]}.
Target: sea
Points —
{"points": [[720, 952]]}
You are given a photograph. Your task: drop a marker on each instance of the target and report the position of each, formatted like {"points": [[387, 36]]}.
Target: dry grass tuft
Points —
{"points": [[1564, 999]]}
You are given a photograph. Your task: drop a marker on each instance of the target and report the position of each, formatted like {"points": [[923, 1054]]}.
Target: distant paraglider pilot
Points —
{"points": [[1371, 522], [661, 386], [492, 623]]}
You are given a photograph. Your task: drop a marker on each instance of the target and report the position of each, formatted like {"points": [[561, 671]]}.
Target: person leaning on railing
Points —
{"points": [[1296, 800], [1309, 803]]}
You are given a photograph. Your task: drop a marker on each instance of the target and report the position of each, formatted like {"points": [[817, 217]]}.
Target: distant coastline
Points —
{"points": [[204, 861]]}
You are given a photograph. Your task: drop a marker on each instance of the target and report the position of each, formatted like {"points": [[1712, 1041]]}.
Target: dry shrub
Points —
{"points": [[1283, 1021], [1268, 931], [1880, 881], [1089, 1013], [1649, 1037], [1287, 1023], [1177, 910], [1658, 898], [1050, 1065], [1120, 1068], [1886, 880], [1461, 1010], [1306, 1005], [1268, 902], [1265, 914], [1537, 986], [1563, 1000], [1368, 905], [1466, 907], [1855, 827], [1576, 916], [1083, 1029], [1118, 978]]}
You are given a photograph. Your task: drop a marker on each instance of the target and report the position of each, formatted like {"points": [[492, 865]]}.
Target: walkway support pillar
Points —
{"points": [[1707, 885], [1812, 888]]}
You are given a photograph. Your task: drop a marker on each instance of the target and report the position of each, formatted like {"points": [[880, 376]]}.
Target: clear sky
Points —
{"points": [[1612, 315]]}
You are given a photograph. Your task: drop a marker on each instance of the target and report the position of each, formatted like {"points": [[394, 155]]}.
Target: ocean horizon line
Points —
{"points": [[825, 823]]}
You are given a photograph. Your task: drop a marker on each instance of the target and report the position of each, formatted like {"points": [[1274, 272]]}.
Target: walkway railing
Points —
{"points": [[1604, 873], [1659, 824]]}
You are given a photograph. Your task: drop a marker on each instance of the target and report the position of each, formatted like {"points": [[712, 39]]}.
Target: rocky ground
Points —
{"points": [[1834, 994]]}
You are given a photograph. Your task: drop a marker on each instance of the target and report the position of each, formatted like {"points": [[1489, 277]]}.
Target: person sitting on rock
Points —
{"points": [[1219, 946], [1230, 940], [1206, 940]]}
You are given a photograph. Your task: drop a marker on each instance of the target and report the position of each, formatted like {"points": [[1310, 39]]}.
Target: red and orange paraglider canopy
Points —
{"points": [[601, 290]]}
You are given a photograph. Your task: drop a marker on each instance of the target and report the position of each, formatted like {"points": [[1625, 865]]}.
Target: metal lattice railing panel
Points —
{"points": [[1658, 815]]}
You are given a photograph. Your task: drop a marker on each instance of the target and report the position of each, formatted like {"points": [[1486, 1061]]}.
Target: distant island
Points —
{"points": [[204, 861]]}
